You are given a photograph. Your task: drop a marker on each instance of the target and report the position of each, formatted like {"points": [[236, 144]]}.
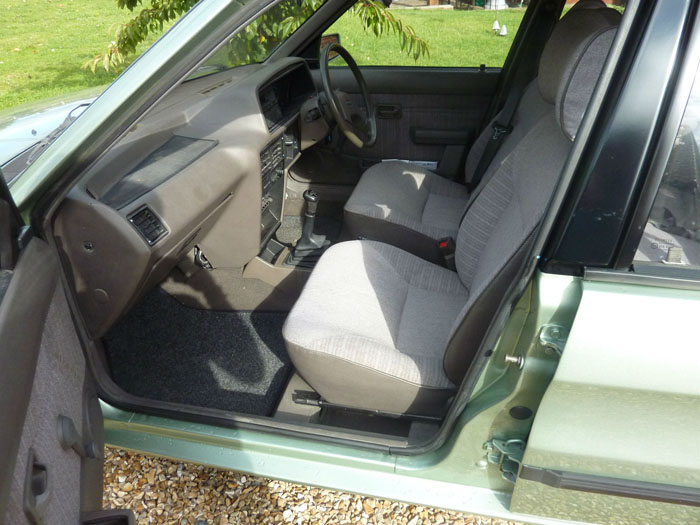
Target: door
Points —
{"points": [[614, 436], [51, 439]]}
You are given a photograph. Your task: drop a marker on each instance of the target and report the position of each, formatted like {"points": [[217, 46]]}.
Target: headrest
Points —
{"points": [[573, 58], [574, 98]]}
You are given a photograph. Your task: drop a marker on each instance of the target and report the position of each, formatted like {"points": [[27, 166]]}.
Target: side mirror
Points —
{"points": [[332, 38]]}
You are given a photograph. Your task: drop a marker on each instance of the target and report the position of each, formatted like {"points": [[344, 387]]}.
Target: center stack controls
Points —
{"points": [[273, 160]]}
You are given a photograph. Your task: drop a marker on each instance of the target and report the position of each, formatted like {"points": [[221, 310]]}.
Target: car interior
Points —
{"points": [[294, 245]]}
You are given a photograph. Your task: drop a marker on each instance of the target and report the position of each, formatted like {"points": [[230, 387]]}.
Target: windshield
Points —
{"points": [[258, 40], [25, 136]]}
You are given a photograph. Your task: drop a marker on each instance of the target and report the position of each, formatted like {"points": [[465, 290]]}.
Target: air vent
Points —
{"points": [[215, 86], [148, 225]]}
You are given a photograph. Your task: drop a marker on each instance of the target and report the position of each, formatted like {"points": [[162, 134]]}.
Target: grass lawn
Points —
{"points": [[44, 43], [455, 38]]}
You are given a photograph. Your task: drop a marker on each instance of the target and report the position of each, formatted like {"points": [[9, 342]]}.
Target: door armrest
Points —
{"points": [[441, 136]]}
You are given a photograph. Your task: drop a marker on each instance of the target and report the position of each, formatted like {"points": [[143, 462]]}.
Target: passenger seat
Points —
{"points": [[410, 207]]}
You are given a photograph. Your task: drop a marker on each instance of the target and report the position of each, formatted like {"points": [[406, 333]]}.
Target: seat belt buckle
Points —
{"points": [[499, 130], [447, 248]]}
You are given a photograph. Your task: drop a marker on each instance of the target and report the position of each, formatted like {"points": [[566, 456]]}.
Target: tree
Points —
{"points": [[259, 38]]}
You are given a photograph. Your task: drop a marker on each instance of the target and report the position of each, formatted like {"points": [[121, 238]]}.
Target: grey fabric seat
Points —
{"points": [[410, 207], [379, 328], [382, 292], [406, 205]]}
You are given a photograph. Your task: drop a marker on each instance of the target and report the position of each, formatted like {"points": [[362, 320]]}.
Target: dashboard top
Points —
{"points": [[240, 109]]}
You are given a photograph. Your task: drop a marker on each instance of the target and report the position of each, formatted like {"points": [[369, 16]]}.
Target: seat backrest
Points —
{"points": [[503, 216], [531, 108]]}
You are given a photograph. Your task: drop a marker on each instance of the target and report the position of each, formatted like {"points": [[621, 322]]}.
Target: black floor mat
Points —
{"points": [[229, 360]]}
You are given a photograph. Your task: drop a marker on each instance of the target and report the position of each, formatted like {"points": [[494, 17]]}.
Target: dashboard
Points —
{"points": [[281, 98], [205, 167]]}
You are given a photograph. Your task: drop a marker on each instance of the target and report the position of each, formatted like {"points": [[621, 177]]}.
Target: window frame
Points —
{"points": [[598, 224], [688, 76]]}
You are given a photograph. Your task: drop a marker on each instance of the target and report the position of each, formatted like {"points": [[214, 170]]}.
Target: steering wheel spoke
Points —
{"points": [[344, 105], [363, 124], [351, 122]]}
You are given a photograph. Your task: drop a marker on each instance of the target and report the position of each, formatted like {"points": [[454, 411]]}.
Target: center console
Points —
{"points": [[274, 160], [280, 100]]}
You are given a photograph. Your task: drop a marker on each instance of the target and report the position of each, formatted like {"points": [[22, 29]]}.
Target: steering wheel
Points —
{"points": [[359, 128]]}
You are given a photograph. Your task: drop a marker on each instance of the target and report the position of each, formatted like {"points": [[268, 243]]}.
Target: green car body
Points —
{"points": [[593, 438], [588, 407]]}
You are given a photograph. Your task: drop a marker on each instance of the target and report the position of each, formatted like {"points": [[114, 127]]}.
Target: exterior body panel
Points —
{"points": [[624, 404]]}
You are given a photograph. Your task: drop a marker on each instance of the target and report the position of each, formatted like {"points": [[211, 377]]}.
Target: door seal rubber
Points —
{"points": [[609, 486]]}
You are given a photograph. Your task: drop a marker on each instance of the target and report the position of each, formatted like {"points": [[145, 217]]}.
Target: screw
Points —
{"points": [[515, 360], [88, 246]]}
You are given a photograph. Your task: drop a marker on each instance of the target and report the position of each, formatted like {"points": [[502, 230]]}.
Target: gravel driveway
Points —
{"points": [[164, 491]]}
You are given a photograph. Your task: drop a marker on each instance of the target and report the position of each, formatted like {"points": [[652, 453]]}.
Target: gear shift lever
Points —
{"points": [[308, 240], [310, 246]]}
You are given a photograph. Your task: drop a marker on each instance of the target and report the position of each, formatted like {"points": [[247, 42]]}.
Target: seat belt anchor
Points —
{"points": [[499, 130]]}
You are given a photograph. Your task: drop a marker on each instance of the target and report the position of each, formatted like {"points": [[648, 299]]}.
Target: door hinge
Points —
{"points": [[507, 454], [70, 438], [553, 338]]}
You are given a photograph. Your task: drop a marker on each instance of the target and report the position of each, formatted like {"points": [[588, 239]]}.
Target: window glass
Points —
{"points": [[455, 34], [672, 233], [257, 41]]}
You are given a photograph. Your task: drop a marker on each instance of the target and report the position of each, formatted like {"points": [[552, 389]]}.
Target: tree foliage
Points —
{"points": [[259, 38], [377, 19]]}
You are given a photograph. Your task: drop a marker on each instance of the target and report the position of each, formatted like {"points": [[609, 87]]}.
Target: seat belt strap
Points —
{"points": [[502, 127]]}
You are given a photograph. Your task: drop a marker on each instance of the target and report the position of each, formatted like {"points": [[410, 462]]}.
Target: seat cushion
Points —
{"points": [[407, 206], [360, 334]]}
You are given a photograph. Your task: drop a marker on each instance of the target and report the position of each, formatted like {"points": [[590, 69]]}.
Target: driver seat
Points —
{"points": [[412, 208]]}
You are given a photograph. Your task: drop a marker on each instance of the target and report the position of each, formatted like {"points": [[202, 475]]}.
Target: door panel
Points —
{"points": [[615, 433], [43, 376], [397, 137], [417, 103]]}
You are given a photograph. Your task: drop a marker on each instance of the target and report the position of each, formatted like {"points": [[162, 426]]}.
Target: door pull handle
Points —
{"points": [[36, 489], [388, 111]]}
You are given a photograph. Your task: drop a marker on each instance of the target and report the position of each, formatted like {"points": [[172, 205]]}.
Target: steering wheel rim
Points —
{"points": [[344, 121]]}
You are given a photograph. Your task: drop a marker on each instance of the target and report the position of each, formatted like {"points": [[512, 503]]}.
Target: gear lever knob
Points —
{"points": [[311, 198], [310, 246]]}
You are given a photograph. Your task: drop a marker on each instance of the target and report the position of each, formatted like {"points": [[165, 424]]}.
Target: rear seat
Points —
{"points": [[410, 207], [378, 328]]}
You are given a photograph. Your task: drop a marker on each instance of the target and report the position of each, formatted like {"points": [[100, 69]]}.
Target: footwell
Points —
{"points": [[233, 361]]}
